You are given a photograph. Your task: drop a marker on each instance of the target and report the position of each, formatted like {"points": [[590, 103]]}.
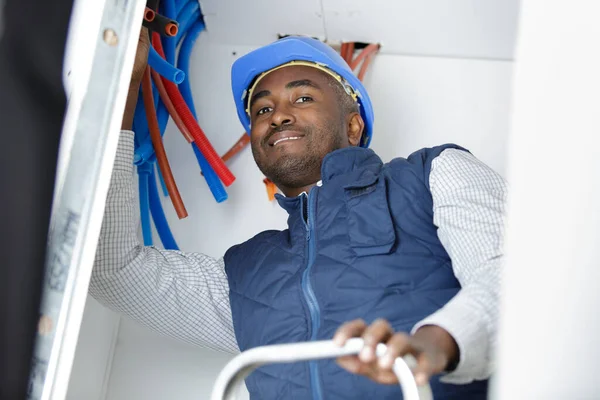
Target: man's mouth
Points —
{"points": [[283, 137]]}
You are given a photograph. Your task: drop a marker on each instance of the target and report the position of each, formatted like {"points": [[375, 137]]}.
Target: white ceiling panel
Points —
{"points": [[451, 28], [257, 22], [455, 28]]}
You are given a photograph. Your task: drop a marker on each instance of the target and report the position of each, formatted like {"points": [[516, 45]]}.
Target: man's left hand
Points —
{"points": [[433, 347]]}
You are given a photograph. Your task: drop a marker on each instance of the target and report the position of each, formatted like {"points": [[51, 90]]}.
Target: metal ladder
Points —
{"points": [[231, 377], [80, 196]]}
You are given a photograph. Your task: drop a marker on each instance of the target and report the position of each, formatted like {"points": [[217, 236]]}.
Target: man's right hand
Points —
{"points": [[139, 66]]}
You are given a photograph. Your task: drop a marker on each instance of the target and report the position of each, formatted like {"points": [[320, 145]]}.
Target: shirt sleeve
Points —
{"points": [[469, 201], [182, 295]]}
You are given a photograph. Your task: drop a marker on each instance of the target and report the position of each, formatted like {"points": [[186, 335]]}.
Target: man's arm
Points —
{"points": [[469, 201], [469, 207], [182, 295]]}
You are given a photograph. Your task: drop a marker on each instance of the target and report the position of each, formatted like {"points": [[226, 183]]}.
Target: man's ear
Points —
{"points": [[356, 126]]}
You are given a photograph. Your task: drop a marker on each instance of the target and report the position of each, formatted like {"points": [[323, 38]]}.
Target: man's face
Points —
{"points": [[296, 120]]}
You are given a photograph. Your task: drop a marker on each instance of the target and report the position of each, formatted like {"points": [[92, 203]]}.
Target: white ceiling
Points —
{"points": [[451, 28]]}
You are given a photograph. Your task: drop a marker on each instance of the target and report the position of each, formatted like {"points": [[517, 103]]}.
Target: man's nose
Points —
{"points": [[281, 116]]}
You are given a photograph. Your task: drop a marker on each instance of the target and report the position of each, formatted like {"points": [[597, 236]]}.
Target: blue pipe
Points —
{"points": [[158, 215], [163, 185], [142, 134], [179, 4], [143, 175], [162, 115], [183, 63], [211, 177], [136, 143], [145, 159], [195, 17], [164, 68], [186, 17]]}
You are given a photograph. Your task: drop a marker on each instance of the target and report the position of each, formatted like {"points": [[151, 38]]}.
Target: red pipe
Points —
{"points": [[159, 149], [349, 53], [372, 48], [343, 51], [149, 14], [237, 147], [171, 30], [169, 104], [364, 66], [190, 122]]}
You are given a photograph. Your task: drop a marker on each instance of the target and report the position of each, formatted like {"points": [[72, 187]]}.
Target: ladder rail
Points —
{"points": [[232, 376], [81, 196]]}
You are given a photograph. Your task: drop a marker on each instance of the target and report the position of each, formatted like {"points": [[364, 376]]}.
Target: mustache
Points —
{"points": [[283, 128]]}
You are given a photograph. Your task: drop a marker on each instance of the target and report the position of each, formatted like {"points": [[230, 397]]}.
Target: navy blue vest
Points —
{"points": [[361, 246]]}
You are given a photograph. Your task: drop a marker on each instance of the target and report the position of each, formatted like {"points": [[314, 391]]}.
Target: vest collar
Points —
{"points": [[342, 162], [347, 160]]}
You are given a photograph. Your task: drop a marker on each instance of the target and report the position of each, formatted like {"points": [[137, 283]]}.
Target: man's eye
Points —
{"points": [[263, 110], [304, 99]]}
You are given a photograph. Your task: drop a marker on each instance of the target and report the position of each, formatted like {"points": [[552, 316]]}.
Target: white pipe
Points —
{"points": [[550, 317], [232, 376]]}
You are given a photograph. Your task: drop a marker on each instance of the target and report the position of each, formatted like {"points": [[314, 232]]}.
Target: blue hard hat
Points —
{"points": [[285, 51]]}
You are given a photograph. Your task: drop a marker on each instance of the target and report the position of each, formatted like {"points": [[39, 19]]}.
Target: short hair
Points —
{"points": [[345, 101]]}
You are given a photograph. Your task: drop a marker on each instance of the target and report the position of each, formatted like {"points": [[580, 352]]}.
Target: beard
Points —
{"points": [[299, 169]]}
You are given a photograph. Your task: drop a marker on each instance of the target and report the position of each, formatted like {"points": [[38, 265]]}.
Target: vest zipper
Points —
{"points": [[309, 294]]}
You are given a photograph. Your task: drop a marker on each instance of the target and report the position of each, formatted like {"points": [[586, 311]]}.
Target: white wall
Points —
{"points": [[457, 28], [550, 298], [93, 357]]}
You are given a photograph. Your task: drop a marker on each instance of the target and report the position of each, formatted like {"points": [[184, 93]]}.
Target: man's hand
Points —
{"points": [[139, 66], [433, 347]]}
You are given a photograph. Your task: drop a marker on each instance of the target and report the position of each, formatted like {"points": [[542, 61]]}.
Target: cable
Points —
{"points": [[162, 114], [186, 17], [188, 118], [195, 17], [158, 215], [343, 51], [364, 66], [237, 147], [169, 42], [143, 174], [144, 150], [149, 14], [170, 107], [372, 48], [163, 185], [159, 149], [349, 52], [183, 63], [179, 4], [163, 68], [158, 23], [212, 179]]}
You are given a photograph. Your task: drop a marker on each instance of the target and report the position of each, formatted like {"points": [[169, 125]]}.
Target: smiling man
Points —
{"points": [[297, 122], [406, 253]]}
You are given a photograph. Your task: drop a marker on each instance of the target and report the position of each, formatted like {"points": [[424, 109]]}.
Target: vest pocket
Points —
{"points": [[370, 226]]}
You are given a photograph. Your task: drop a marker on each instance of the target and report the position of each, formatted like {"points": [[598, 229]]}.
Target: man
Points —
{"points": [[412, 246]]}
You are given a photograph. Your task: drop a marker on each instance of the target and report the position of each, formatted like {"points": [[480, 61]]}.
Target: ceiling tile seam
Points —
{"points": [[324, 19]]}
